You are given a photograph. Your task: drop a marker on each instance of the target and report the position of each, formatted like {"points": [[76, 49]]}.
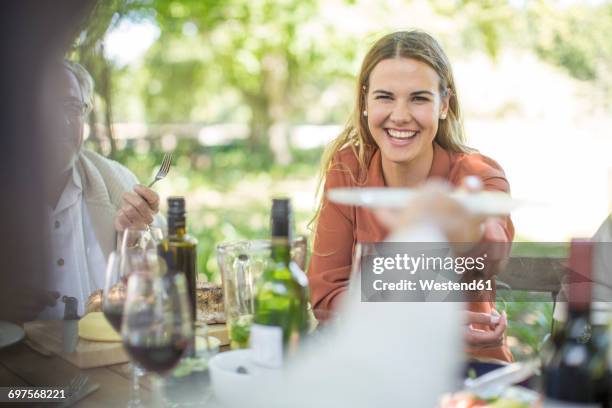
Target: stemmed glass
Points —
{"points": [[157, 325], [114, 291], [139, 239], [135, 244]]}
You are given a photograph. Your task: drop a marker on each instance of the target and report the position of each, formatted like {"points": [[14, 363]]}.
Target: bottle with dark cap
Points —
{"points": [[179, 249], [577, 372], [281, 300]]}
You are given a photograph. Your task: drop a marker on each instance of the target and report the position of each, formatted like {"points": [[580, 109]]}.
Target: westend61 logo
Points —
{"points": [[417, 272], [411, 264], [481, 272]]}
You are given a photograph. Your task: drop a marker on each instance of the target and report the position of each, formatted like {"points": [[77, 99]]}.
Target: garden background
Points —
{"points": [[247, 92]]}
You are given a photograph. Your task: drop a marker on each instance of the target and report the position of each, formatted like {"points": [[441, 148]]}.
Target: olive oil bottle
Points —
{"points": [[179, 249]]}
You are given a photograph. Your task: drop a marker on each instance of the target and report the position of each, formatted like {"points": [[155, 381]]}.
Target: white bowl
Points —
{"points": [[234, 389]]}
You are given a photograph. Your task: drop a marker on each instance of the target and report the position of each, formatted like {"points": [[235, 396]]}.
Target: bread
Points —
{"points": [[209, 306], [209, 303], [94, 301]]}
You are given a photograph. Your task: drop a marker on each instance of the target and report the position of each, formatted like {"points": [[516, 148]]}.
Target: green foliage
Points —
{"points": [[576, 38], [529, 323], [540, 249], [265, 62], [255, 57], [201, 171], [488, 22]]}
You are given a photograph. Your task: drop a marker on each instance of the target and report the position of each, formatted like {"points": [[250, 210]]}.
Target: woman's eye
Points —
{"points": [[383, 97], [420, 99]]}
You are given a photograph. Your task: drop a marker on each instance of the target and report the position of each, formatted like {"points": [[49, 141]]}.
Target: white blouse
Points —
{"points": [[77, 263]]}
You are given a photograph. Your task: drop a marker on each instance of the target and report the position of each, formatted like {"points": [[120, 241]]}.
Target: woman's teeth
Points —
{"points": [[401, 134]]}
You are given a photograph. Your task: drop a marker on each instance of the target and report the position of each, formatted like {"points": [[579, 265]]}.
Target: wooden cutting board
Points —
{"points": [[49, 334]]}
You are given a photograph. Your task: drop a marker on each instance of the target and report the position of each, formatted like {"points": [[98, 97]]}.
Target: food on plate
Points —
{"points": [[470, 400]]}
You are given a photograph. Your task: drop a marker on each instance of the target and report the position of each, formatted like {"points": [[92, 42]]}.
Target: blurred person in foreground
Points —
{"points": [[406, 130], [379, 353], [90, 198], [33, 34]]}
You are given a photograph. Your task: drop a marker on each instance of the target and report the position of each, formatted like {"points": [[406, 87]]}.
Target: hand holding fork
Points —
{"points": [[141, 205]]}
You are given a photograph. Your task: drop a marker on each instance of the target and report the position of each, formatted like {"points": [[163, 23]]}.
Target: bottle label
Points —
{"points": [[267, 345]]}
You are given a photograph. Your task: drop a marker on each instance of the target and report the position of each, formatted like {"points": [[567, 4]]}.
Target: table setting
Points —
{"points": [[145, 340]]}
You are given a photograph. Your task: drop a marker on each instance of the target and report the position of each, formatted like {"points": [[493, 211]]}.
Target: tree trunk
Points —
{"points": [[105, 91], [259, 124], [275, 83]]}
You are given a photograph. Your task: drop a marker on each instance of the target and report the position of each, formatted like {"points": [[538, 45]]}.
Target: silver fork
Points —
{"points": [[163, 169], [76, 385]]}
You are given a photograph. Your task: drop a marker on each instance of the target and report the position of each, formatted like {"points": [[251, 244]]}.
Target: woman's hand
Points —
{"points": [[138, 208], [476, 337]]}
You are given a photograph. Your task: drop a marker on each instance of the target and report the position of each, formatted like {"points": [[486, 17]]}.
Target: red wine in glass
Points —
{"points": [[114, 315], [157, 358]]}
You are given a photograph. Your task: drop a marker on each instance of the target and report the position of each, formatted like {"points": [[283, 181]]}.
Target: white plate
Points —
{"points": [[485, 202], [10, 334]]}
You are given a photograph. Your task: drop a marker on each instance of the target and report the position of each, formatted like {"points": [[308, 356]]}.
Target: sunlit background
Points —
{"points": [[247, 93]]}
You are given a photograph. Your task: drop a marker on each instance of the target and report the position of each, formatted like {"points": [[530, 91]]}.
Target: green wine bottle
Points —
{"points": [[281, 299], [178, 249]]}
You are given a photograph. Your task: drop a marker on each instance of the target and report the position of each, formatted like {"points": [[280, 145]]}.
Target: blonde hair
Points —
{"points": [[414, 44]]}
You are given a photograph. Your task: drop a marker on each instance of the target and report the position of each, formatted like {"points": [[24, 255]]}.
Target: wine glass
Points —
{"points": [[157, 326], [114, 292], [136, 239], [136, 245]]}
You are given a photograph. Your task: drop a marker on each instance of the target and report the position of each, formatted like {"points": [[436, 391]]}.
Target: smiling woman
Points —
{"points": [[403, 107], [406, 129]]}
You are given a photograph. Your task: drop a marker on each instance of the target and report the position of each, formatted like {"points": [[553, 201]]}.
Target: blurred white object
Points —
{"points": [[377, 354], [484, 202], [231, 387]]}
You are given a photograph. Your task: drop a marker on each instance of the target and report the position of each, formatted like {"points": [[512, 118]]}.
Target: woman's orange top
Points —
{"points": [[340, 227]]}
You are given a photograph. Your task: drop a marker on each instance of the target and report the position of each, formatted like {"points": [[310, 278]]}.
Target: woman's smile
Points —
{"points": [[401, 137]]}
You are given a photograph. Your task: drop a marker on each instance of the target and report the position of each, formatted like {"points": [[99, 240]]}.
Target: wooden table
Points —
{"points": [[22, 366]]}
